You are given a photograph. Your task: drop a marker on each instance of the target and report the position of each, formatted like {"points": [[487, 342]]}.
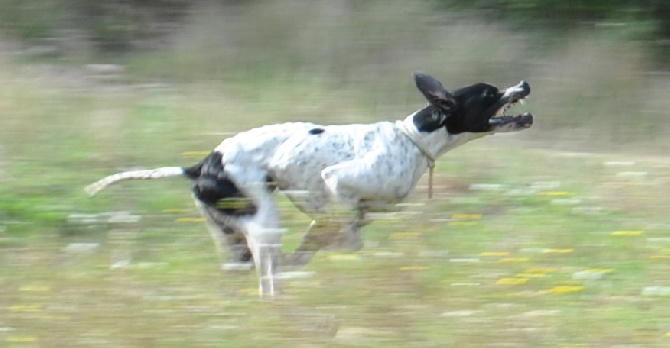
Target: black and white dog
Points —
{"points": [[335, 174]]}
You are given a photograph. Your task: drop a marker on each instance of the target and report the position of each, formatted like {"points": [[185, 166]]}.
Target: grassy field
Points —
{"points": [[523, 245], [532, 239]]}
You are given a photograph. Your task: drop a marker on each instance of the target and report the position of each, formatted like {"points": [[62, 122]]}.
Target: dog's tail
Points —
{"points": [[164, 172], [210, 164], [192, 173]]}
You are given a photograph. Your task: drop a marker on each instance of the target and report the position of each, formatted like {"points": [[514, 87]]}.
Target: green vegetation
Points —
{"points": [[557, 236], [120, 25], [557, 248]]}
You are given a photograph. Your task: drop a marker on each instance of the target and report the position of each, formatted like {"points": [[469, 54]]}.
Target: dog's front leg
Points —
{"points": [[318, 235], [348, 239], [327, 235]]}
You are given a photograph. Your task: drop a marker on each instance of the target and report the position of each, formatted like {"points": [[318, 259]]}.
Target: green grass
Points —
{"points": [[407, 287], [470, 268]]}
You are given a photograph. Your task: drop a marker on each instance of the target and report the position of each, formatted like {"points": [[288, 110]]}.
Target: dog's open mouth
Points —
{"points": [[512, 96]]}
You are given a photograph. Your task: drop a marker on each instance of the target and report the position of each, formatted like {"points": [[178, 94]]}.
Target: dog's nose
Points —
{"points": [[525, 87]]}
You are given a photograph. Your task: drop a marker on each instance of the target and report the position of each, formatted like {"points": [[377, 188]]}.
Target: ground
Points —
{"points": [[520, 247]]}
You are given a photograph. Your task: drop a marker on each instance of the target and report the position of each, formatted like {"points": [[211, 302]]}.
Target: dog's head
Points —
{"points": [[479, 108]]}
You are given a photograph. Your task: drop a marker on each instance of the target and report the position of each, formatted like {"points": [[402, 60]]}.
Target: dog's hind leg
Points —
{"points": [[237, 197], [261, 237], [264, 240], [240, 257], [265, 245], [230, 242]]}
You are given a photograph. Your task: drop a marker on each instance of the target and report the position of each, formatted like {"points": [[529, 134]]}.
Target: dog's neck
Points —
{"points": [[436, 139]]}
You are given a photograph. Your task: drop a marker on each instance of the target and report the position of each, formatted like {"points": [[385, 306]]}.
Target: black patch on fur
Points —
{"points": [[243, 253], [429, 119], [315, 131], [270, 183], [247, 256], [228, 230], [434, 92], [193, 172], [239, 245], [213, 187], [476, 105], [468, 109]]}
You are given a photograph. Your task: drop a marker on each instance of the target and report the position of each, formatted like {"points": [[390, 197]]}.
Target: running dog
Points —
{"points": [[335, 174]]}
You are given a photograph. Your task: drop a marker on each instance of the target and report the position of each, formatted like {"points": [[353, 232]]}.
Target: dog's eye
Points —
{"points": [[488, 93]]}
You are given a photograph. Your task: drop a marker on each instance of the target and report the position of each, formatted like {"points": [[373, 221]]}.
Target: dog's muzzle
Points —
{"points": [[512, 96]]}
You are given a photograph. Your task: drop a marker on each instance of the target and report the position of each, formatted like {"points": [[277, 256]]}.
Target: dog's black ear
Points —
{"points": [[433, 91]]}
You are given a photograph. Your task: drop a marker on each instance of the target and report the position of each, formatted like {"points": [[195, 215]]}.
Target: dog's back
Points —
{"points": [[258, 145]]}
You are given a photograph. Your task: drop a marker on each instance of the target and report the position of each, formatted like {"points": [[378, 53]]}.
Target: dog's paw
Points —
{"points": [[295, 261], [237, 267]]}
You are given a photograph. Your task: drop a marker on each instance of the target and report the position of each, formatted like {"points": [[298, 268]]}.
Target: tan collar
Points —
{"points": [[417, 140]]}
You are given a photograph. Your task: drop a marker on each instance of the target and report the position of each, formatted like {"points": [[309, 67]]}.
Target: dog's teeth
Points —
{"points": [[522, 101]]}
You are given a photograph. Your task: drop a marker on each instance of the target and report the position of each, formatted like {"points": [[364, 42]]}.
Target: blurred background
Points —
{"points": [[555, 236]]}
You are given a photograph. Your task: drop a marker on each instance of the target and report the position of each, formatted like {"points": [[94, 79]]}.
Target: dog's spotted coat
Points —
{"points": [[335, 174]]}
